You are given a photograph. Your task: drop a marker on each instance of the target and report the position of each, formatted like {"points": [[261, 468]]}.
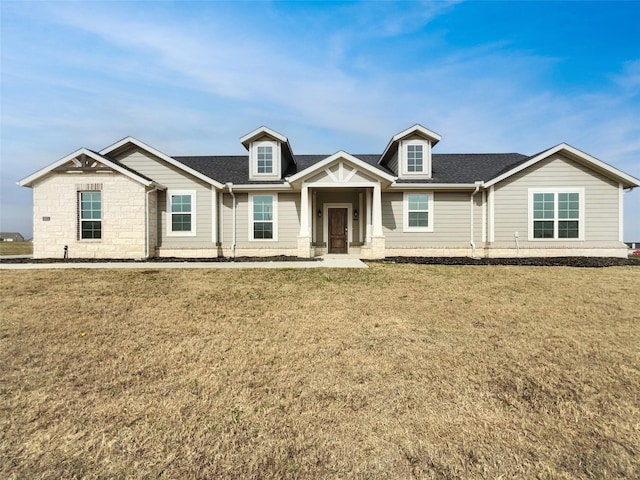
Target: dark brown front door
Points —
{"points": [[337, 230]]}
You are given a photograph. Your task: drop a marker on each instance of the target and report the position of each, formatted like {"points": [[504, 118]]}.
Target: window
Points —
{"points": [[265, 159], [181, 213], [556, 214], [263, 217], [414, 158], [418, 212], [90, 215]]}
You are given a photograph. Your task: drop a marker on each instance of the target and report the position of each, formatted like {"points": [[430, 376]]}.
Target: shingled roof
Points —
{"points": [[446, 168]]}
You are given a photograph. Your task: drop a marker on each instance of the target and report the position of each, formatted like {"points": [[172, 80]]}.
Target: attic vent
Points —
{"points": [[88, 187]]}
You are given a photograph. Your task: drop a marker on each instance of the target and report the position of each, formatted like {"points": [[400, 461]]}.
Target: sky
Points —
{"points": [[191, 78]]}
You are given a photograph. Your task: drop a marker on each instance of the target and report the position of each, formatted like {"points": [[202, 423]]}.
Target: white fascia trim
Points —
{"points": [[313, 169], [162, 156], [581, 156], [417, 128], [246, 139], [433, 186], [433, 136], [26, 182], [281, 187]]}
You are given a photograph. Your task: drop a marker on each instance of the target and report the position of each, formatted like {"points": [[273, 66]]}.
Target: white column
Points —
{"points": [[304, 211], [368, 194], [314, 218], [377, 210]]}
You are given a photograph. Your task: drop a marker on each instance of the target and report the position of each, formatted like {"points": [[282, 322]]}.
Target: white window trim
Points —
{"points": [[405, 212], [275, 217], [403, 159], [190, 233], [556, 191], [253, 160], [80, 220]]}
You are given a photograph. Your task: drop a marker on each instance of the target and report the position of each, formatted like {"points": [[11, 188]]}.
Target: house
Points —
{"points": [[11, 237], [129, 200]]}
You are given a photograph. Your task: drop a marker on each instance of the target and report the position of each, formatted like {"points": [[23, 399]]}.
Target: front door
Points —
{"points": [[338, 230]]}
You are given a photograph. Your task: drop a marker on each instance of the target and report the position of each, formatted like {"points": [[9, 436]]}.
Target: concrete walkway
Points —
{"points": [[328, 262]]}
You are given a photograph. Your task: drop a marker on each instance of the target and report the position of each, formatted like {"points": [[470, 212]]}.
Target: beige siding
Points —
{"points": [[288, 222], [601, 204], [174, 179], [392, 164], [451, 217]]}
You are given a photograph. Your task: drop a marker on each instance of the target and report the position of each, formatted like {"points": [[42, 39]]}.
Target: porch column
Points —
{"points": [[377, 211], [377, 245], [304, 211], [304, 237]]}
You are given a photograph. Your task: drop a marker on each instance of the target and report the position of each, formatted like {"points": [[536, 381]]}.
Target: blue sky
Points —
{"points": [[190, 78]]}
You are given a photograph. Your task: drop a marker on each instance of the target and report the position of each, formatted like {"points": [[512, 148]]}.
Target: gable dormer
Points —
{"points": [[269, 154], [408, 154]]}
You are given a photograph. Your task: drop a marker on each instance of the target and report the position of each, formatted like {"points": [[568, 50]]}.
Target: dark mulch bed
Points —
{"points": [[533, 262], [281, 258]]}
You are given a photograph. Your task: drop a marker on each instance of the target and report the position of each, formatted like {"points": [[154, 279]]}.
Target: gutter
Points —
{"points": [[473, 194], [233, 222]]}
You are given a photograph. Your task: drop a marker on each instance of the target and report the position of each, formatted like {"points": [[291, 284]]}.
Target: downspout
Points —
{"points": [[146, 223], [473, 244], [233, 220]]}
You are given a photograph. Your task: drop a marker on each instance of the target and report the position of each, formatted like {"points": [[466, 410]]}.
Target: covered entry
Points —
{"points": [[340, 207]]}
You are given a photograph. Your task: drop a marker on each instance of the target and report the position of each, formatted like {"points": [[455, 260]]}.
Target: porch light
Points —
{"points": [[319, 213], [355, 214]]}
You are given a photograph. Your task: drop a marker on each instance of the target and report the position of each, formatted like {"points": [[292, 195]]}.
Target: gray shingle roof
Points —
{"points": [[446, 168]]}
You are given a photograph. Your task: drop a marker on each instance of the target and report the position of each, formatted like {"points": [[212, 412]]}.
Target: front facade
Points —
{"points": [[130, 200]]}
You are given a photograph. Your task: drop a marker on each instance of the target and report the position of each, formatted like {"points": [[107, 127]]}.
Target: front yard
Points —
{"points": [[391, 372]]}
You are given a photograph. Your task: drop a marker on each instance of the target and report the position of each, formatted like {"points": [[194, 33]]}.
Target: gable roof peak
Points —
{"points": [[260, 131]]}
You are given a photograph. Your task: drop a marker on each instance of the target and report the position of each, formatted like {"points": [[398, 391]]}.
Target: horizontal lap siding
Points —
{"points": [[174, 179], [451, 222], [601, 203], [288, 221]]}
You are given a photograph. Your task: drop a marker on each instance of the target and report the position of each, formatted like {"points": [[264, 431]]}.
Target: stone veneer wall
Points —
{"points": [[123, 217]]}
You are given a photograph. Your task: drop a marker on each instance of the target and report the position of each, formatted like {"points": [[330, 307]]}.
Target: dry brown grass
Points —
{"points": [[16, 248], [398, 371]]}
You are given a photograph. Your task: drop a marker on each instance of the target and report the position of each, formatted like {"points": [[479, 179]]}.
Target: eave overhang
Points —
{"points": [[134, 141], [579, 156], [31, 179], [308, 172], [418, 129]]}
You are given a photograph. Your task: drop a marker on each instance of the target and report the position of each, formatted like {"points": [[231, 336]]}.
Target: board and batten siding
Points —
{"points": [[174, 179], [511, 208], [451, 217], [288, 221]]}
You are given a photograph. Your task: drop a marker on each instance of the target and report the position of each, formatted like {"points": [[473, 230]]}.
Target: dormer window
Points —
{"points": [[265, 159], [415, 160]]}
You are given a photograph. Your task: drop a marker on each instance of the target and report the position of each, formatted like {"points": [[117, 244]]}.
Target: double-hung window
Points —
{"points": [[418, 212], [265, 159], [263, 225], [181, 213], [415, 159], [556, 214], [90, 215]]}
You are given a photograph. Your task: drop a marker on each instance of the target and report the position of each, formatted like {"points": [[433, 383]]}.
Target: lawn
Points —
{"points": [[16, 248], [397, 371]]}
